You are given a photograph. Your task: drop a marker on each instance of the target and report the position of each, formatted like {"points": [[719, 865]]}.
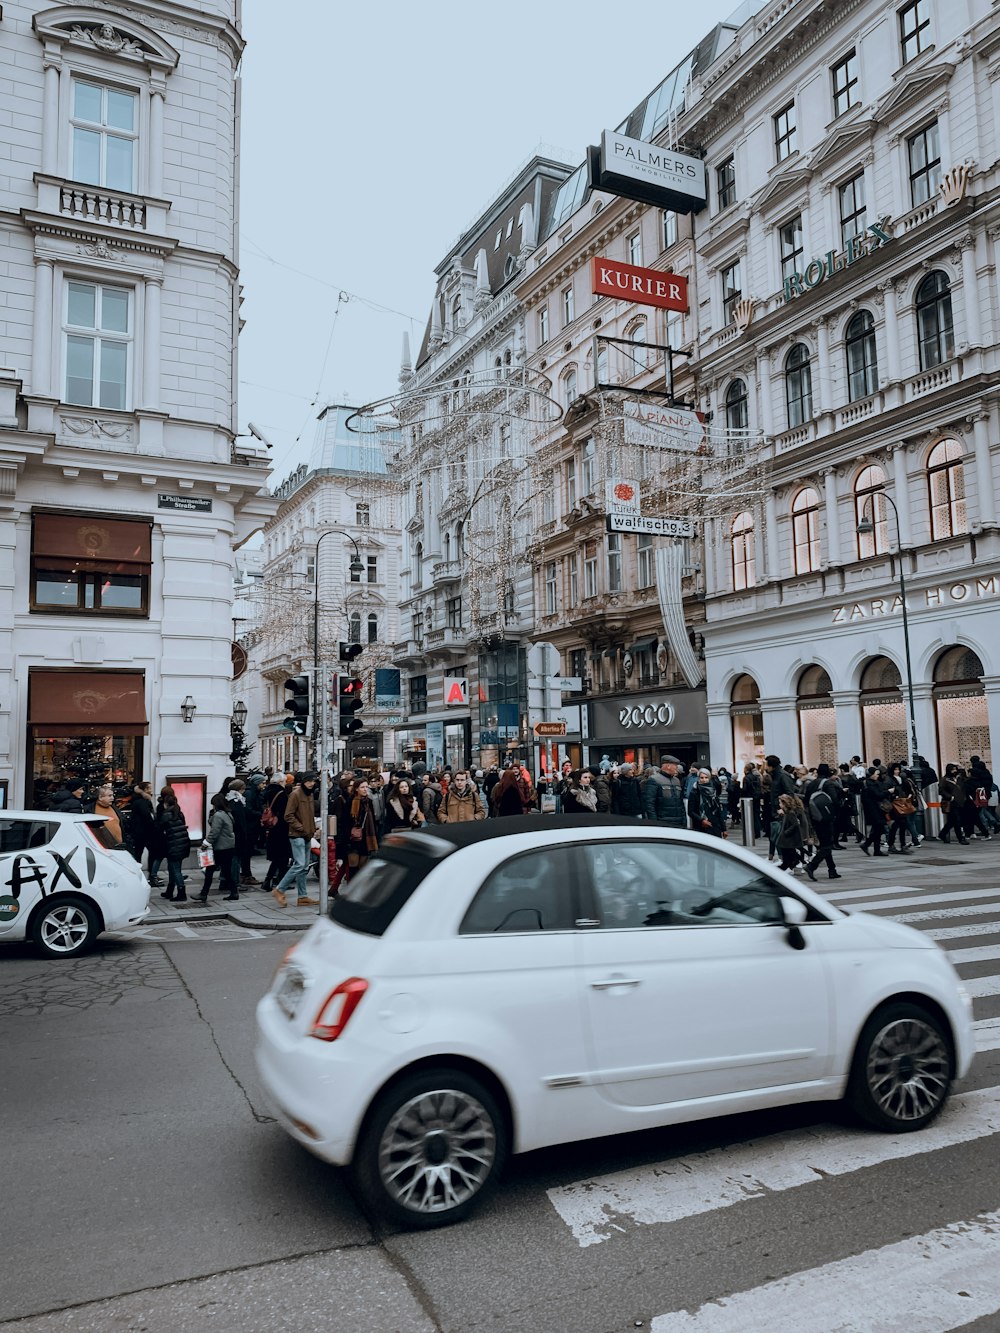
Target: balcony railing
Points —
{"points": [[96, 205], [930, 380]]}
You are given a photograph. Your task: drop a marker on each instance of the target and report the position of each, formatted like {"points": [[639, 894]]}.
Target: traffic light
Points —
{"points": [[297, 704], [350, 697], [349, 651]]}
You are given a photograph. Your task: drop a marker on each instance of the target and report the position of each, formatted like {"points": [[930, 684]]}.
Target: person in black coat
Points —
{"points": [[170, 820], [874, 793], [243, 828], [69, 799], [276, 844], [703, 807], [626, 793], [822, 797], [142, 822]]}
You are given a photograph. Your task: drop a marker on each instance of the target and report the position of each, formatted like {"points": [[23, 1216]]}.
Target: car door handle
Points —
{"points": [[615, 981]]}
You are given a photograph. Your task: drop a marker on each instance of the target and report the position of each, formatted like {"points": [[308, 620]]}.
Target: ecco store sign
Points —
{"points": [[646, 715], [835, 261]]}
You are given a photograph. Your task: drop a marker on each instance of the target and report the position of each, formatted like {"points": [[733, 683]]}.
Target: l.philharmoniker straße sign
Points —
{"points": [[890, 606]]}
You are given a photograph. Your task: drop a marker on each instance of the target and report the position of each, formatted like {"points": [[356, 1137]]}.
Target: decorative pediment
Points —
{"points": [[844, 141], [105, 33], [784, 184], [911, 88], [726, 238]]}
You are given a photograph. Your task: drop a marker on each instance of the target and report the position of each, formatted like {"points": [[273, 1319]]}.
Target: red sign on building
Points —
{"points": [[648, 286]]}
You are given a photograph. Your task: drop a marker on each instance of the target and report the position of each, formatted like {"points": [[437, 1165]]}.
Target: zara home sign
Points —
{"points": [[974, 590], [834, 261]]}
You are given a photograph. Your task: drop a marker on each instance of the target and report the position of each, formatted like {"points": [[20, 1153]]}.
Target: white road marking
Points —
{"points": [[599, 1208], [981, 987], [882, 904], [943, 1279], [874, 893], [943, 913], [982, 954], [962, 932], [987, 1034]]}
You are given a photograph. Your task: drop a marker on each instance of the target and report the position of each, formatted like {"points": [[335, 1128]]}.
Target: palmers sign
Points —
{"points": [[647, 286], [633, 169], [835, 261]]}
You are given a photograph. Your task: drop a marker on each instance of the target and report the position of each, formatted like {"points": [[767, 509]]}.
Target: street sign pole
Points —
{"points": [[323, 685]]}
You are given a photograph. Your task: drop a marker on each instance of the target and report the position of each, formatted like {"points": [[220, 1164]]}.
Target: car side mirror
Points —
{"points": [[794, 912]]}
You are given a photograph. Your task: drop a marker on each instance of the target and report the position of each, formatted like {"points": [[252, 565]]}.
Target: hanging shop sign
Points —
{"points": [[654, 427], [659, 527], [388, 690], [634, 169], [647, 286], [456, 691], [622, 497], [835, 261]]}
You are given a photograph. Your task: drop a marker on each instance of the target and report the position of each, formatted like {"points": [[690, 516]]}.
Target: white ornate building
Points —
{"points": [[123, 486]]}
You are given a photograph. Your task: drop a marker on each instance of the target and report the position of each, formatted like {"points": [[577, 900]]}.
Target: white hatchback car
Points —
{"points": [[64, 879], [490, 988]]}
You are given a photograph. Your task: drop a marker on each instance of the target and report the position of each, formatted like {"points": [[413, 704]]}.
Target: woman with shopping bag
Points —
{"points": [[220, 844], [356, 836]]}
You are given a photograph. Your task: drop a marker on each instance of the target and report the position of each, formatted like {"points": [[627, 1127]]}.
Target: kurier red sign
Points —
{"points": [[648, 286]]}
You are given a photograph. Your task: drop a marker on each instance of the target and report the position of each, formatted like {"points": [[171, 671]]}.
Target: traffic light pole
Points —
{"points": [[322, 678]]}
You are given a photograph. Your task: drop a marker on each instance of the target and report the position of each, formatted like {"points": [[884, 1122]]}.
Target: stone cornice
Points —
{"points": [[88, 232], [184, 21]]}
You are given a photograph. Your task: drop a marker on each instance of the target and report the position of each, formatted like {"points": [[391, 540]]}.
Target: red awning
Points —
{"points": [[87, 703]]}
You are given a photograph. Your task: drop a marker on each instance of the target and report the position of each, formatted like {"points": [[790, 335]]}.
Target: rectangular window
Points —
{"points": [[98, 334], [669, 228], [362, 515], [784, 132], [418, 693], [453, 612], [573, 579], [550, 588], [614, 562], [590, 569], [578, 662], [914, 29], [418, 626], [924, 153], [852, 209], [791, 247], [567, 306], [725, 183], [844, 76], [588, 458], [571, 484], [311, 568], [634, 247], [675, 336], [104, 131], [548, 498], [731, 292], [373, 569], [644, 559], [543, 325], [85, 563]]}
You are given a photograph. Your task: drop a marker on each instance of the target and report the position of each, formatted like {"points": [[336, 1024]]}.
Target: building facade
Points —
{"points": [[125, 487]]}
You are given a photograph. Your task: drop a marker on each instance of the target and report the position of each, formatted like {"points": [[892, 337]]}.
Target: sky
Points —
{"points": [[373, 135]]}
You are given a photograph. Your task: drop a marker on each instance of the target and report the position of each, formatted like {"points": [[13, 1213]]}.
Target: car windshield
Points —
{"points": [[371, 899]]}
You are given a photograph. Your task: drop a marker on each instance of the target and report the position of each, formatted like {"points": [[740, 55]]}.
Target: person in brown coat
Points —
{"points": [[460, 803], [300, 816]]}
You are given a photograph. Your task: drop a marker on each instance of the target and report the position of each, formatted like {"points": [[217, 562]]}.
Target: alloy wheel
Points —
{"points": [[908, 1069], [436, 1151], [64, 929]]}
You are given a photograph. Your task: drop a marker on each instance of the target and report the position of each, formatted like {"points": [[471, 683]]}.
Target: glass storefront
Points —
{"points": [[817, 718], [748, 723], [93, 759], [503, 705], [960, 708], [883, 713]]}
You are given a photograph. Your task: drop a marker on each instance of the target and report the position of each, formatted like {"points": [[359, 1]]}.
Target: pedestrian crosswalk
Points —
{"points": [[942, 1279]]}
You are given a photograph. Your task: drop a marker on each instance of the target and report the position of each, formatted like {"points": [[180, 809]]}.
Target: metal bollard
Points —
{"points": [[746, 813], [932, 815]]}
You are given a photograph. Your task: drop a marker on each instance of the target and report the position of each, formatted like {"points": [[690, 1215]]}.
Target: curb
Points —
{"points": [[249, 923]]}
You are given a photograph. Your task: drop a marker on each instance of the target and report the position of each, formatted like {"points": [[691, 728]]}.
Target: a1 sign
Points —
{"points": [[456, 691]]}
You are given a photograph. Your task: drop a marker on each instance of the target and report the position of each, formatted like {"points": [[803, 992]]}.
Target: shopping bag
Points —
{"points": [[206, 858]]}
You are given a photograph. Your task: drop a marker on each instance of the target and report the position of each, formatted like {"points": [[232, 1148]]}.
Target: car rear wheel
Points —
{"points": [[902, 1070], [64, 928], [433, 1145]]}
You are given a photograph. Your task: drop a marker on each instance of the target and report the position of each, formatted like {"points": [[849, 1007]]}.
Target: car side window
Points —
{"points": [[528, 893], [641, 884], [20, 835]]}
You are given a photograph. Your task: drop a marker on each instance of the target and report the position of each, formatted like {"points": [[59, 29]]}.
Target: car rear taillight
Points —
{"points": [[284, 959], [336, 1010]]}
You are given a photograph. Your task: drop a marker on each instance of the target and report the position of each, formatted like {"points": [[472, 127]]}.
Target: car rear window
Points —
{"points": [[370, 901], [105, 837]]}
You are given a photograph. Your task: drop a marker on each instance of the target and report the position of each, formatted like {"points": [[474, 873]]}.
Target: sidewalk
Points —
{"points": [[933, 864]]}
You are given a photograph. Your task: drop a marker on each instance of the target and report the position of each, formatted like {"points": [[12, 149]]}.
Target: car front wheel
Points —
{"points": [[433, 1145], [902, 1070], [64, 928]]}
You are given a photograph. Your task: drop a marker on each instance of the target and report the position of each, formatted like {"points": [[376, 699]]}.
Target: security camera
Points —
{"points": [[259, 435]]}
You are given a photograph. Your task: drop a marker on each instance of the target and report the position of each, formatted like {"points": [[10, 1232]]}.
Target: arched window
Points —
{"points": [[372, 627], [946, 482], [418, 563], [883, 716], [456, 312], [354, 627], [870, 507], [446, 544], [748, 723], [817, 718], [798, 385], [569, 386], [459, 533], [639, 353], [744, 563], [963, 723], [601, 371], [862, 361], [737, 406], [507, 364], [935, 331], [805, 530]]}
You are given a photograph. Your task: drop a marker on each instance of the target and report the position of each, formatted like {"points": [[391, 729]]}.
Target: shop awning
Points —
{"points": [[643, 645], [88, 703]]}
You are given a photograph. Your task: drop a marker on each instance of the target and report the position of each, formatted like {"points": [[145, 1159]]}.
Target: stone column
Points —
{"points": [[720, 736], [923, 713], [891, 331], [63, 145], [50, 115], [764, 390], [832, 516], [902, 493], [153, 288], [772, 569], [155, 174], [970, 287], [984, 470], [821, 401], [781, 730], [41, 336], [991, 684], [848, 714]]}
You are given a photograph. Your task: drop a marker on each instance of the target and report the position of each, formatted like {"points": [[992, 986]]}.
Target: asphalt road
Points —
{"points": [[145, 1186]]}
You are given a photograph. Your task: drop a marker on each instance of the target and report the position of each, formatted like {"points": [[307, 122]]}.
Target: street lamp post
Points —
{"points": [[321, 701], [866, 526]]}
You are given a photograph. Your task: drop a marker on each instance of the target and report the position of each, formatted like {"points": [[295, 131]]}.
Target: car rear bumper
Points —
{"points": [[317, 1098]]}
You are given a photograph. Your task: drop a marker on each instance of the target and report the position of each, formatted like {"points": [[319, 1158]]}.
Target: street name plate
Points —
{"points": [[663, 527]]}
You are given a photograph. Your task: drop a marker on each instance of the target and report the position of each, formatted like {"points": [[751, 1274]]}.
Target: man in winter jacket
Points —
{"points": [[142, 825], [300, 816], [460, 803], [663, 795], [69, 799], [602, 789], [782, 784], [626, 793], [430, 799]]}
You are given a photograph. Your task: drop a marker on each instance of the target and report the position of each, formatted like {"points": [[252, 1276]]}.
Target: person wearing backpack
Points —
{"points": [[460, 803], [823, 816]]}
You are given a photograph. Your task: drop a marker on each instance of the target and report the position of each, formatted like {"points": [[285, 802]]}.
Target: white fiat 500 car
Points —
{"points": [[64, 879], [482, 989]]}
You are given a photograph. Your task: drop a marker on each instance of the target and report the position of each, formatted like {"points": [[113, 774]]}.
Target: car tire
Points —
{"points": [[432, 1146], [902, 1069], [64, 928]]}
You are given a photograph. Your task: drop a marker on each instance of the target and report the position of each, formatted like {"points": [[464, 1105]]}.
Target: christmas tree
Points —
{"points": [[85, 758]]}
